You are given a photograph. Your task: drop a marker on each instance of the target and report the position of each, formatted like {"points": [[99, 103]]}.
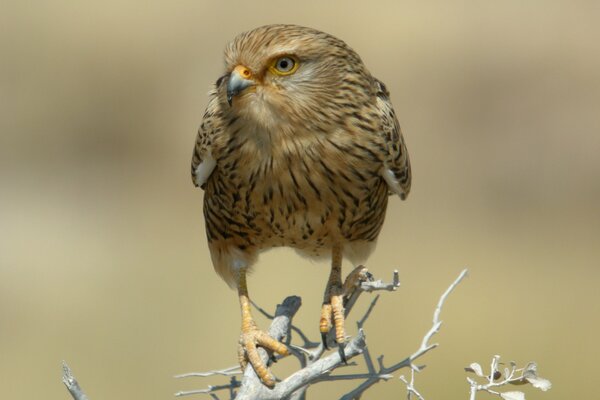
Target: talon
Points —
{"points": [[341, 350], [324, 340], [325, 323], [272, 359]]}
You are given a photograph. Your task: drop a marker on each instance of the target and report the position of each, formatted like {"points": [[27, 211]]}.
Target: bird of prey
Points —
{"points": [[299, 147]]}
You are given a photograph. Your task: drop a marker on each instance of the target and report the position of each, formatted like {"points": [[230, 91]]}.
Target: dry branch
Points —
{"points": [[72, 384], [315, 366]]}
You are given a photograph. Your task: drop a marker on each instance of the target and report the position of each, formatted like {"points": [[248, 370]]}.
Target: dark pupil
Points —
{"points": [[284, 64]]}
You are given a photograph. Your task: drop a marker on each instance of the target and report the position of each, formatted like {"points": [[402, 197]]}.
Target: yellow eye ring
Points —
{"points": [[284, 65]]}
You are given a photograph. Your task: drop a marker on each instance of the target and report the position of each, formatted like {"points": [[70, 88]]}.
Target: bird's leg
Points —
{"points": [[333, 302], [251, 337]]}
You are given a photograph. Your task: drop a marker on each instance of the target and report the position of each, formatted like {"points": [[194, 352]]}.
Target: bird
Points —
{"points": [[299, 147]]}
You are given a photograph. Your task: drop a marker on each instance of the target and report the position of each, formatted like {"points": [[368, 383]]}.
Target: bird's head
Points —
{"points": [[288, 74]]}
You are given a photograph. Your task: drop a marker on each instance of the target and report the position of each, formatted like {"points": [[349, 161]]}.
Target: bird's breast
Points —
{"points": [[303, 192]]}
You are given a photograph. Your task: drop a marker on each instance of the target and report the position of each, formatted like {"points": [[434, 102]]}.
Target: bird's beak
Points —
{"points": [[239, 79]]}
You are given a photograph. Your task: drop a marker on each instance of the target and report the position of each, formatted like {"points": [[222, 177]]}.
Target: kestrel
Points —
{"points": [[299, 147]]}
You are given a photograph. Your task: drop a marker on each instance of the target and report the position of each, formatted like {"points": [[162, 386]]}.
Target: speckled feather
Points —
{"points": [[305, 160]]}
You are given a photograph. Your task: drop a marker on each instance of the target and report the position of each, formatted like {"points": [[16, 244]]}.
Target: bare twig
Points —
{"points": [[410, 387], [409, 361], [211, 389], [234, 370], [72, 384], [512, 376], [364, 283], [306, 376], [370, 286]]}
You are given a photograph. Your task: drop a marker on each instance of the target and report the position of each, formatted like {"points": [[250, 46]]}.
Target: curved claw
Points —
{"points": [[342, 351], [324, 340]]}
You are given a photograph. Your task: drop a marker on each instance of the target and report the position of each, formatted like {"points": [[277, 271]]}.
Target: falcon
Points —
{"points": [[299, 147]]}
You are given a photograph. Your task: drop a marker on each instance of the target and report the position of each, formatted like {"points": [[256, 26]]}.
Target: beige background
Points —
{"points": [[103, 260]]}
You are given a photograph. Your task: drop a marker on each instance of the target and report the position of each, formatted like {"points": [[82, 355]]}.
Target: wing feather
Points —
{"points": [[396, 171], [203, 163]]}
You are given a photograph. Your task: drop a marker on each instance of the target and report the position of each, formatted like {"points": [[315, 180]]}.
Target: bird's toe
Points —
{"points": [[248, 352]]}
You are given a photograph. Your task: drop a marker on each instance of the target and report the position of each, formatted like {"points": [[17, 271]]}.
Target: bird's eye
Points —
{"points": [[286, 65]]}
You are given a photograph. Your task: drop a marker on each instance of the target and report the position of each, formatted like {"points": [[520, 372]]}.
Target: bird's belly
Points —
{"points": [[310, 212]]}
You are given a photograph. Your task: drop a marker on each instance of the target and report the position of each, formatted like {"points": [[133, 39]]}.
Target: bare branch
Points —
{"points": [[380, 285], [72, 384], [408, 362], [410, 387], [307, 342], [233, 384], [314, 372], [435, 328], [315, 366]]}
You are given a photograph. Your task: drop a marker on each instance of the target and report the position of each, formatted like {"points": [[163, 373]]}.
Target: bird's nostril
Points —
{"points": [[246, 73]]}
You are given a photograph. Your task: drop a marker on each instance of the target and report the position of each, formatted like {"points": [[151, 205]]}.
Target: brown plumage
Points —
{"points": [[299, 147]]}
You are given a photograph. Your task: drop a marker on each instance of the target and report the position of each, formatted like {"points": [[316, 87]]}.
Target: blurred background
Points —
{"points": [[103, 257]]}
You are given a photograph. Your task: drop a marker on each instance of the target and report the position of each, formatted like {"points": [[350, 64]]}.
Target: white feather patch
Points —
{"points": [[204, 169], [389, 177]]}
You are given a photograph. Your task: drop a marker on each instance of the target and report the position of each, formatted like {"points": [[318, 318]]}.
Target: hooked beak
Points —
{"points": [[239, 79]]}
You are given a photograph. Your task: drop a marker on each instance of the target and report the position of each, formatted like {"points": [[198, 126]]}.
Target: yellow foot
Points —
{"points": [[332, 313], [248, 352]]}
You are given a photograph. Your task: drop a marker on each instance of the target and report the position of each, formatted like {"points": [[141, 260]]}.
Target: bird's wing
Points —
{"points": [[396, 171], [203, 163]]}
